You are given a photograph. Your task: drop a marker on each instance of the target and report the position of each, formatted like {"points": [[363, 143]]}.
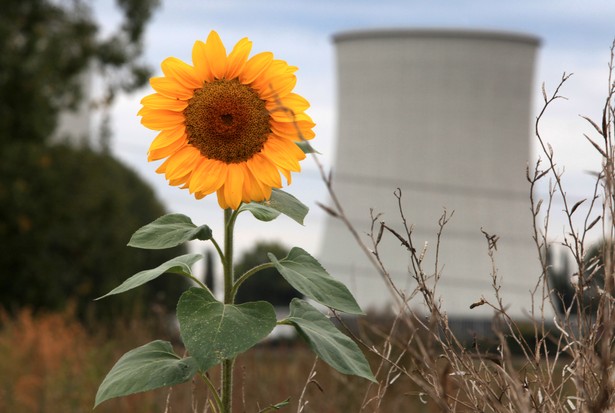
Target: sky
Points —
{"points": [[575, 38]]}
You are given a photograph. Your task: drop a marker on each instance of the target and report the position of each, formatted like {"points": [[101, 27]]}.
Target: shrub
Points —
{"points": [[66, 216]]}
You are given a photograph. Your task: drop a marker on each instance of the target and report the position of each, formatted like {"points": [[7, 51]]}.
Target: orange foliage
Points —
{"points": [[50, 363], [43, 356]]}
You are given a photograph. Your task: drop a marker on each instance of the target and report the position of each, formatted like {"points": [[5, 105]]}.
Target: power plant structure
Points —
{"points": [[445, 116]]}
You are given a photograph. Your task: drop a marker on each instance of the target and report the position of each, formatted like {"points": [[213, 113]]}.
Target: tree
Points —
{"points": [[66, 216], [45, 45], [587, 291], [267, 284], [594, 264], [558, 274]]}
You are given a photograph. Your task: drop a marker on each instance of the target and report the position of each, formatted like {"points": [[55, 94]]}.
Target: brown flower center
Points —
{"points": [[227, 121]]}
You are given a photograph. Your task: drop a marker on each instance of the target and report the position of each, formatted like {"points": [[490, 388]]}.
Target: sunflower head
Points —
{"points": [[227, 123]]}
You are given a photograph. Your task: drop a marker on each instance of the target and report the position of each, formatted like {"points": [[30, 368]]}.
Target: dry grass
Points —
{"points": [[51, 363], [564, 365]]}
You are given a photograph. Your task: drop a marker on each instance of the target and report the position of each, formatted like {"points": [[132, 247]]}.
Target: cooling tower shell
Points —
{"points": [[444, 115]]}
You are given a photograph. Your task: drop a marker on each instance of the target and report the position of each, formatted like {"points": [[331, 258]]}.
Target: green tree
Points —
{"points": [[267, 284], [45, 45], [594, 268], [588, 292], [66, 216], [559, 281]]}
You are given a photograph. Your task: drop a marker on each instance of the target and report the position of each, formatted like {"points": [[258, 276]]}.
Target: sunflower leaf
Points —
{"points": [[280, 203], [146, 368], [330, 344], [260, 211], [307, 276], [288, 205], [306, 147], [213, 331], [178, 265], [168, 231]]}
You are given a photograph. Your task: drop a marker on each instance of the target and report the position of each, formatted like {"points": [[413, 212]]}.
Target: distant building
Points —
{"points": [[445, 115]]}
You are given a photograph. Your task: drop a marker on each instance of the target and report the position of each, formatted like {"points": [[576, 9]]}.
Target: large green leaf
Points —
{"points": [[178, 265], [280, 203], [261, 211], [213, 331], [145, 368], [168, 231], [307, 276], [330, 344]]}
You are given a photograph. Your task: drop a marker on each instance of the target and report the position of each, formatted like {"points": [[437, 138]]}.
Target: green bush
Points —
{"points": [[66, 216]]}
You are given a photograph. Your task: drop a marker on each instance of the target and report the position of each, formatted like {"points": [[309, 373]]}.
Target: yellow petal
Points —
{"points": [[284, 114], [170, 88], [276, 68], [202, 70], [238, 58], [181, 163], [221, 200], [168, 137], [185, 75], [292, 101], [266, 191], [233, 186], [166, 151], [255, 66], [208, 176], [293, 130], [278, 87], [179, 181], [264, 170], [158, 119], [283, 153], [286, 174], [158, 101], [215, 53], [252, 189]]}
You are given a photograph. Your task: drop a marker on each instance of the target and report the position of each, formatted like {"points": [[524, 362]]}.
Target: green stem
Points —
{"points": [[247, 275], [196, 280], [213, 391], [227, 259], [227, 385], [218, 249], [228, 255]]}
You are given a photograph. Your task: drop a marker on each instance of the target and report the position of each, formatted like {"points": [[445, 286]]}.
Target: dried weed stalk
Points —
{"points": [[565, 364]]}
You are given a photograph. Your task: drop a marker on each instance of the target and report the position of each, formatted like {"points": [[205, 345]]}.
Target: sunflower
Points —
{"points": [[227, 124]]}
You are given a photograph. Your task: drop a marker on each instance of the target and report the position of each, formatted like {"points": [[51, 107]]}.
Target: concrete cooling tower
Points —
{"points": [[444, 115]]}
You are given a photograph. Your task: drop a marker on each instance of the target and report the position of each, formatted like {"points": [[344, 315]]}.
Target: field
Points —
{"points": [[52, 363]]}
